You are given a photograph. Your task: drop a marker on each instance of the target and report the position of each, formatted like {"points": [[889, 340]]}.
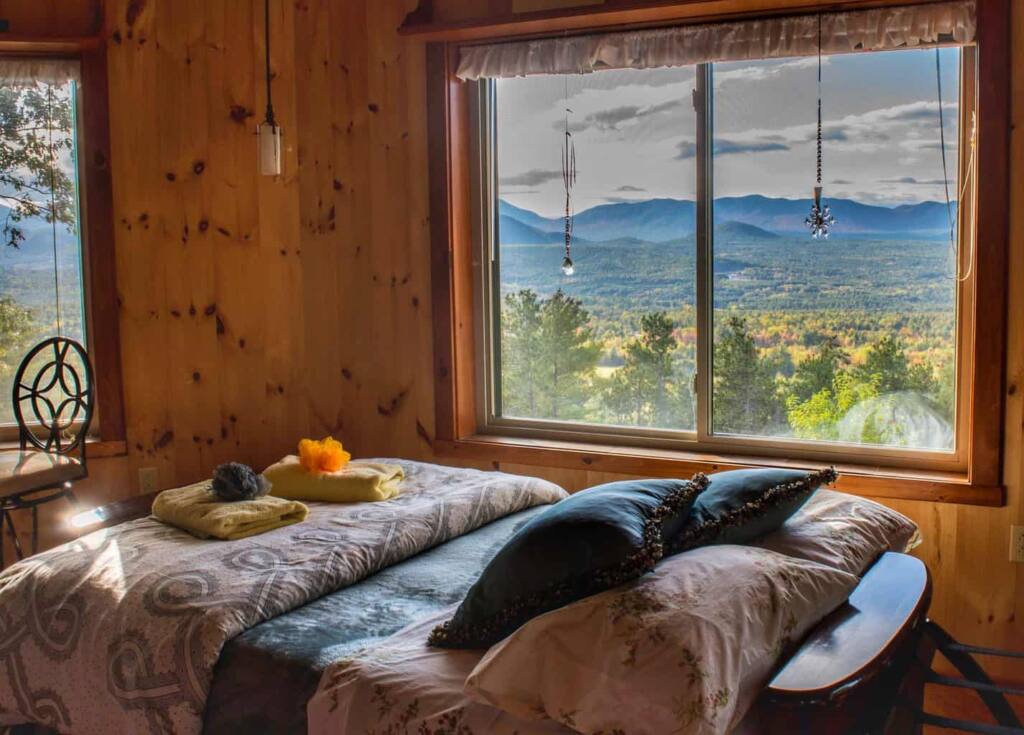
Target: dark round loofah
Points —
{"points": [[236, 481]]}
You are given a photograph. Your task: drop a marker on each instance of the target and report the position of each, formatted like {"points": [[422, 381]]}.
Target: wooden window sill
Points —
{"points": [[94, 448], [899, 484]]}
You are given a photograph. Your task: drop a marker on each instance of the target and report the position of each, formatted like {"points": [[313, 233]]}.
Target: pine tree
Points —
{"points": [[887, 365], [567, 357], [520, 345], [745, 400], [548, 356], [645, 391], [818, 371]]}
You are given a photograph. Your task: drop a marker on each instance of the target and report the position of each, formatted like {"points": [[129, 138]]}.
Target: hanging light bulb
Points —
{"points": [[820, 220], [268, 134], [567, 267], [269, 148]]}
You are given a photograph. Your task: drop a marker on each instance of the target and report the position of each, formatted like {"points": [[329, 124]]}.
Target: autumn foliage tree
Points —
{"points": [[550, 354]]}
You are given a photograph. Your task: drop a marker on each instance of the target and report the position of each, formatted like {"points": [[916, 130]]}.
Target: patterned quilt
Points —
{"points": [[293, 650], [119, 631]]}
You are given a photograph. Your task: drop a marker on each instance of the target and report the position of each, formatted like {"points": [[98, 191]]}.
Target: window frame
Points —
{"points": [[96, 226], [461, 426], [490, 420]]}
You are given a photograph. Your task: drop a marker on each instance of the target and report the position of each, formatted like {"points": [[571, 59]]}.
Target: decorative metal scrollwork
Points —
{"points": [[54, 406]]}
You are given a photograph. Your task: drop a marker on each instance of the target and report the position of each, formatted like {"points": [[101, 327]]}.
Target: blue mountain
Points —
{"points": [[36, 250], [663, 220], [735, 229], [527, 217], [515, 231]]}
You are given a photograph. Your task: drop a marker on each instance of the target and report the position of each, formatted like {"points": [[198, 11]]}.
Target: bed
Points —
{"points": [[260, 635]]}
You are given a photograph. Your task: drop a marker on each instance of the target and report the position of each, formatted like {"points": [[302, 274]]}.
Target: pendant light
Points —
{"points": [[568, 181], [820, 220], [269, 132]]}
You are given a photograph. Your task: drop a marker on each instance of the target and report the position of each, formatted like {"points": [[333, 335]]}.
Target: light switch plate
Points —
{"points": [[148, 479], [1017, 543]]}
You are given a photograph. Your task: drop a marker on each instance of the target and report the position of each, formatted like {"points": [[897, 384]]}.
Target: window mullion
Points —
{"points": [[487, 303], [705, 219]]}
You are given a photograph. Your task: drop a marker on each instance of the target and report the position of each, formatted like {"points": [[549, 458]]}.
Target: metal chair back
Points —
{"points": [[54, 397]]}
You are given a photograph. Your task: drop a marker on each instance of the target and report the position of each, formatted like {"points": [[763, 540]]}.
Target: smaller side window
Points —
{"points": [[41, 257]]}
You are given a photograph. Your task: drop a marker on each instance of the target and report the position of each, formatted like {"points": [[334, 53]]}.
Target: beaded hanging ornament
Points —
{"points": [[568, 182], [820, 220]]}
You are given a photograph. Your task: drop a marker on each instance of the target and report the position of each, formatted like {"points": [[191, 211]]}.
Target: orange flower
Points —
{"points": [[326, 455]]}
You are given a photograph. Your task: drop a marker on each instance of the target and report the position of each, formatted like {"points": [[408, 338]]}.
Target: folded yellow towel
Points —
{"points": [[195, 509], [358, 481]]}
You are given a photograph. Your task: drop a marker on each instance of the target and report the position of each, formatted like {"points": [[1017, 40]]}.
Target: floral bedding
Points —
{"points": [[400, 686], [119, 631]]}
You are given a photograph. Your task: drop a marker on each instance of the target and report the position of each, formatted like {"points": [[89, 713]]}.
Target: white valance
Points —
{"points": [[877, 29], [17, 71]]}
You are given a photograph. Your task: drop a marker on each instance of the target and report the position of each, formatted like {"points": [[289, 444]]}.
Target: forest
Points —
{"points": [[848, 341]]}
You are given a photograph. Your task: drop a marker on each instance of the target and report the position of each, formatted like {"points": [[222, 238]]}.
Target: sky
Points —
{"points": [[634, 131]]}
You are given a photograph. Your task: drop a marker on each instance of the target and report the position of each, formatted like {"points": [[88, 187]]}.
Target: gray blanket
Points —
{"points": [[120, 630], [284, 657]]}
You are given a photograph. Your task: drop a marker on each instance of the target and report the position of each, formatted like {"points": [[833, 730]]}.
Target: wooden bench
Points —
{"points": [[855, 672]]}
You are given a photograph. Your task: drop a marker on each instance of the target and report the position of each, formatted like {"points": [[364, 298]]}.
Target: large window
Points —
{"points": [[615, 343], [41, 266], [700, 311]]}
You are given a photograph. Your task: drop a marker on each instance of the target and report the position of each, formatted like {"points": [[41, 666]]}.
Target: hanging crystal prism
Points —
{"points": [[568, 181], [820, 220]]}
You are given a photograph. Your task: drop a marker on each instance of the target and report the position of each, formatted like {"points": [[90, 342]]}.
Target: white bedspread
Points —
{"points": [[402, 686], [685, 649], [119, 631]]}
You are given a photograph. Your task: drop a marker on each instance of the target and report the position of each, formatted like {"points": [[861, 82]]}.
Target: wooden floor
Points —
{"points": [[960, 705]]}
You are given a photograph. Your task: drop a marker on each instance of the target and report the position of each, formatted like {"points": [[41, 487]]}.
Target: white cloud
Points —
{"points": [[763, 72], [533, 177]]}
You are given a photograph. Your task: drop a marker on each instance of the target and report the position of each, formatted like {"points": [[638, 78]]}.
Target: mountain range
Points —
{"points": [[665, 220], [36, 250]]}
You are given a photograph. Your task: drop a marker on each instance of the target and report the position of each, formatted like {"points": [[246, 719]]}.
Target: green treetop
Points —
{"points": [[745, 400], [548, 356], [36, 145], [818, 371], [651, 388], [887, 365]]}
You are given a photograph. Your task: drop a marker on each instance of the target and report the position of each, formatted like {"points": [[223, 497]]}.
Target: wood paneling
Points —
{"points": [[254, 310], [209, 252], [473, 20], [100, 267], [56, 18]]}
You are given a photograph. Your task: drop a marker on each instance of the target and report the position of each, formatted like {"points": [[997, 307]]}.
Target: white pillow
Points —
{"points": [[684, 649], [842, 531]]}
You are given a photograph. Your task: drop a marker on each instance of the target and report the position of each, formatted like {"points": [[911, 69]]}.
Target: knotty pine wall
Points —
{"points": [[52, 18], [257, 310]]}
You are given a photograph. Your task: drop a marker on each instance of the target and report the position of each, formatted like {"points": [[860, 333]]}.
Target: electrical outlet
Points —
{"points": [[148, 479], [1017, 543]]}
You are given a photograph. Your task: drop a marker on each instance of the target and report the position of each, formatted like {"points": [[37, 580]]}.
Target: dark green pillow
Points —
{"points": [[741, 505], [591, 541]]}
